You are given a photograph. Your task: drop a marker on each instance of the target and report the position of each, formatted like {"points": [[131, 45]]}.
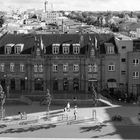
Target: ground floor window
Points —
{"points": [[65, 84], [38, 84], [22, 84], [55, 85], [12, 84], [75, 84]]}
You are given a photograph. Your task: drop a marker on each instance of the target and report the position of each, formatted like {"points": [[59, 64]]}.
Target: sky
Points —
{"points": [[83, 5]]}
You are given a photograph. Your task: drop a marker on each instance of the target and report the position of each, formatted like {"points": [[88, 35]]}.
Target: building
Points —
{"points": [[67, 64]]}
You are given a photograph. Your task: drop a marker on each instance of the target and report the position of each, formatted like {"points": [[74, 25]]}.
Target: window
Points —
{"points": [[17, 50], [65, 84], [65, 67], [55, 48], [111, 67], [92, 53], [76, 48], [110, 49], [55, 68], [55, 85], [123, 47], [38, 52], [40, 69], [75, 67], [92, 68], [135, 61], [21, 67], [89, 68], [123, 72], [66, 48], [8, 50], [2, 67], [123, 60], [12, 65], [95, 68], [135, 74], [35, 68], [22, 84]]}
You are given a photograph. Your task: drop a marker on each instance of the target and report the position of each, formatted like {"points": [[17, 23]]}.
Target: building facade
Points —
{"points": [[69, 65]]}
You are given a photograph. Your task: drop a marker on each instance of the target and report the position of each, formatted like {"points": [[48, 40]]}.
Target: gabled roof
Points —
{"points": [[49, 39]]}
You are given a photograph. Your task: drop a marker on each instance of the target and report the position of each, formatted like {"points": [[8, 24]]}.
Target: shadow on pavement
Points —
{"points": [[28, 129], [92, 128]]}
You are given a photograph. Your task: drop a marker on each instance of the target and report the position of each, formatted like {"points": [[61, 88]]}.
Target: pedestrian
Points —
{"points": [[68, 106], [75, 113]]}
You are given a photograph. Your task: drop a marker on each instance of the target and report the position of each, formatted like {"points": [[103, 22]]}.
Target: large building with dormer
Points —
{"points": [[69, 65]]}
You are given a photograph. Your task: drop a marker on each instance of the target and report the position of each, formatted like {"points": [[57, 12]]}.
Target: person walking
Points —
{"points": [[68, 106], [75, 113]]}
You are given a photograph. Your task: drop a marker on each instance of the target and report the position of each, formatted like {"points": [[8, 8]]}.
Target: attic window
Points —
{"points": [[8, 48], [76, 48], [66, 48], [55, 49], [110, 49], [18, 48]]}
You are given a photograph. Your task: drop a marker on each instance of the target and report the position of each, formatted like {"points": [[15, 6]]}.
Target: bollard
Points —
{"points": [[94, 114]]}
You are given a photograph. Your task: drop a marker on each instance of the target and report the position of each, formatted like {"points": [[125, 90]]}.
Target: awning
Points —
{"points": [[112, 85]]}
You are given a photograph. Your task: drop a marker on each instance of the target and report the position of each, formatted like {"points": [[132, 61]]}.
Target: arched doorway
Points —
{"points": [[38, 84], [65, 84], [92, 83], [75, 84]]}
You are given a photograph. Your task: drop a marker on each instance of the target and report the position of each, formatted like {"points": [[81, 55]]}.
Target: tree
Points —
{"points": [[48, 101]]}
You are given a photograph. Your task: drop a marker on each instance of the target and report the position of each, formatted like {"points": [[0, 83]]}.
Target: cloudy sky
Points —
{"points": [[86, 5]]}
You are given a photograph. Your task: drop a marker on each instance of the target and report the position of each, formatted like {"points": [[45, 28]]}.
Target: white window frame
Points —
{"points": [[136, 61], [35, 68], [89, 68], [55, 50], [22, 67], [17, 49], [75, 67], [12, 67], [110, 49], [95, 68], [65, 67], [40, 68], [2, 65], [76, 48], [8, 50], [111, 67], [135, 75], [66, 48], [55, 67]]}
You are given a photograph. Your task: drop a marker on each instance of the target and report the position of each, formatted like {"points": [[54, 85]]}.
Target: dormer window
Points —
{"points": [[76, 48], [8, 48], [18, 48], [110, 49], [55, 48], [38, 52], [66, 48]]}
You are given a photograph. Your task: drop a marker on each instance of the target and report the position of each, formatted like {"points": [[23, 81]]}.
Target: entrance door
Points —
{"points": [[92, 83], [38, 83]]}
